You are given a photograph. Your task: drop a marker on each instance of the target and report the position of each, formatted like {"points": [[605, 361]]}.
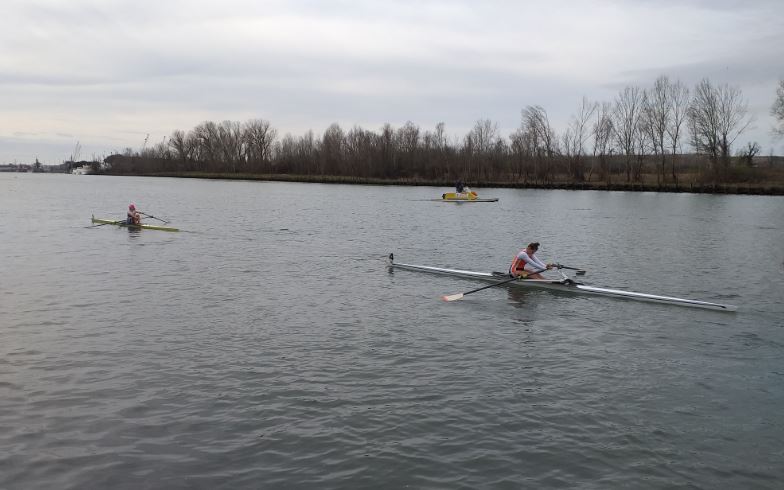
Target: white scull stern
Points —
{"points": [[566, 284]]}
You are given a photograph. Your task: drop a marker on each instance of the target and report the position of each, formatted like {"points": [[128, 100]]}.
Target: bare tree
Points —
{"points": [[733, 120], [332, 150], [161, 151], [359, 151], [388, 150], [543, 139], [440, 138], [499, 161], [485, 134], [717, 116], [643, 144], [207, 144], [407, 143], [177, 143], [480, 146], [602, 137], [657, 116], [704, 120], [435, 149], [286, 154], [679, 103], [626, 116], [575, 137], [777, 110], [231, 144], [522, 153], [748, 153], [184, 147], [467, 151], [258, 137], [307, 153]]}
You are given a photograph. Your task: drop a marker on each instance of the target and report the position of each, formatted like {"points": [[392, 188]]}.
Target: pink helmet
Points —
{"points": [[131, 207]]}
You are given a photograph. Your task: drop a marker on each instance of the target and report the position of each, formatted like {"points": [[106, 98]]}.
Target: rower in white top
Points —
{"points": [[527, 265]]}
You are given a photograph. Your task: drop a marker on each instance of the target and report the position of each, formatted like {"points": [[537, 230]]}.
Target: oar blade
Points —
{"points": [[452, 297]]}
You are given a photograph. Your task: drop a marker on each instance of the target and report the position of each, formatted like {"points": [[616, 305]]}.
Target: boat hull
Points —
{"points": [[126, 225], [494, 199], [463, 197], [563, 285]]}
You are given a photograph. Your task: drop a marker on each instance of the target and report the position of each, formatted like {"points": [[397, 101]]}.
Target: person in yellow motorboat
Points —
{"points": [[462, 193], [133, 217], [467, 193], [527, 265]]}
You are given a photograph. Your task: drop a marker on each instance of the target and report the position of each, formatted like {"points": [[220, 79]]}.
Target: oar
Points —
{"points": [[153, 217], [579, 272], [455, 297]]}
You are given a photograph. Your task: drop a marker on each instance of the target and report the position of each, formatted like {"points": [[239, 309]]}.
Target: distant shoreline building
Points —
{"points": [[13, 167]]}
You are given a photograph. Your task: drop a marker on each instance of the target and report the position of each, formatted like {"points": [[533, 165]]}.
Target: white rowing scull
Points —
{"points": [[566, 284]]}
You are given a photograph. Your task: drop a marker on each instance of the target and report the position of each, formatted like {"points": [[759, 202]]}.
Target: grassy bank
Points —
{"points": [[772, 189]]}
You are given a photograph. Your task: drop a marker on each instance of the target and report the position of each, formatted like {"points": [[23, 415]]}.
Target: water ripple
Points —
{"points": [[271, 348]]}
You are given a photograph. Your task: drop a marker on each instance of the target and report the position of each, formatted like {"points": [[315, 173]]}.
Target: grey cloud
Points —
{"points": [[153, 63], [716, 5]]}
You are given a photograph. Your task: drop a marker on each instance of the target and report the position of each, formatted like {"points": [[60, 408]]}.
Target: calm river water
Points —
{"points": [[268, 345]]}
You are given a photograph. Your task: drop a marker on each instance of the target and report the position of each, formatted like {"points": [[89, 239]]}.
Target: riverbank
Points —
{"points": [[769, 189]]}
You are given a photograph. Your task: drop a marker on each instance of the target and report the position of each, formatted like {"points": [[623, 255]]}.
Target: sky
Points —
{"points": [[109, 75]]}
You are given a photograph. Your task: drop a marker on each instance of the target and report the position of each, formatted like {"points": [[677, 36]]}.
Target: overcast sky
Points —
{"points": [[107, 73]]}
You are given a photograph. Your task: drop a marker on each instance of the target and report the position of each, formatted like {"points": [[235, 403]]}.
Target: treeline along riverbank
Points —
{"points": [[639, 141], [765, 180]]}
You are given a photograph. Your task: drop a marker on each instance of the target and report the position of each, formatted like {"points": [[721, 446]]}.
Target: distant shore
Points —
{"points": [[769, 189]]}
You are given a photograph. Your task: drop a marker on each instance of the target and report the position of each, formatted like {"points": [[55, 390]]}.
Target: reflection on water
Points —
{"points": [[518, 296]]}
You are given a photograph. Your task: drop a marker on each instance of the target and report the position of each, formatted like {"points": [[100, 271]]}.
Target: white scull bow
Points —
{"points": [[565, 284]]}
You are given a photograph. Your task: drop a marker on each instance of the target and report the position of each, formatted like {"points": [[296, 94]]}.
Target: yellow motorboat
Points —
{"points": [[466, 196]]}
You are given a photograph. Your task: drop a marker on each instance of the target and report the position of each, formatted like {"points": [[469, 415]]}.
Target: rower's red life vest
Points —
{"points": [[518, 264]]}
